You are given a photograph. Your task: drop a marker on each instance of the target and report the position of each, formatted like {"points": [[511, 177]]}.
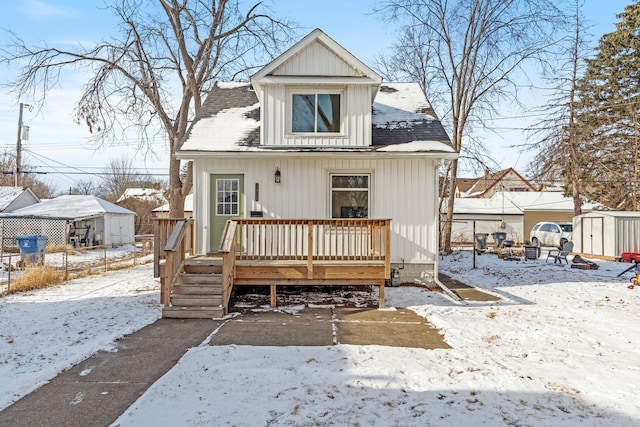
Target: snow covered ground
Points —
{"points": [[47, 331], [561, 348]]}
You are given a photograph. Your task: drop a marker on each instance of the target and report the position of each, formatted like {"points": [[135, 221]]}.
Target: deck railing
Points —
{"points": [[228, 250], [175, 253], [314, 240], [162, 229]]}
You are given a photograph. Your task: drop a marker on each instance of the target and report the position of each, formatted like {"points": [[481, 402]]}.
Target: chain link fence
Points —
{"points": [[76, 262]]}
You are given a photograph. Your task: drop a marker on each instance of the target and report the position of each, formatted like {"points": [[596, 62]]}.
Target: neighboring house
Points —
{"points": [[151, 195], [514, 213], [491, 183], [317, 134], [163, 211], [12, 198], [94, 221], [142, 201]]}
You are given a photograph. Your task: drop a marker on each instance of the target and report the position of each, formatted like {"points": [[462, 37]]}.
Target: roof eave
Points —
{"points": [[356, 153]]}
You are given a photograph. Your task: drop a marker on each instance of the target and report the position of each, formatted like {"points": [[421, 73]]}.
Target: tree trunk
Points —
{"points": [[450, 202]]}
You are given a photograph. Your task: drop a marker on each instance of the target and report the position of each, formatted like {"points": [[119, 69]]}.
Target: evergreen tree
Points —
{"points": [[608, 116]]}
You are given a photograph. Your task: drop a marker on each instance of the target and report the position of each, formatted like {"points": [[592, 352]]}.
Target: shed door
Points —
{"points": [[227, 202], [592, 236]]}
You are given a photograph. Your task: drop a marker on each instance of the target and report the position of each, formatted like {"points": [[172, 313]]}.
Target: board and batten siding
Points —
{"points": [[316, 60], [401, 189], [356, 118]]}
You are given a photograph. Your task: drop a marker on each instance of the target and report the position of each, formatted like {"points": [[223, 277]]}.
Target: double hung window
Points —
{"points": [[350, 196]]}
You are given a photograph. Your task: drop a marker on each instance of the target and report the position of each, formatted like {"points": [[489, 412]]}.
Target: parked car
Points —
{"points": [[551, 234]]}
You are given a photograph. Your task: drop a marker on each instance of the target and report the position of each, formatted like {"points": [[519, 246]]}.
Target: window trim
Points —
{"points": [[314, 91], [368, 174]]}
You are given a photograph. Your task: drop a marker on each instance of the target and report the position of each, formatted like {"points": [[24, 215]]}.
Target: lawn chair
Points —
{"points": [[559, 255]]}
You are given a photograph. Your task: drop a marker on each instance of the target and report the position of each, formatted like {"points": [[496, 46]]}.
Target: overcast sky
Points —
{"points": [[59, 146]]}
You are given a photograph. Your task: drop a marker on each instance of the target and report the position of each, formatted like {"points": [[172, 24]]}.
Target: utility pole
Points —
{"points": [[19, 147]]}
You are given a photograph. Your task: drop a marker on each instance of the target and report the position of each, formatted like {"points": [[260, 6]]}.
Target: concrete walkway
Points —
{"points": [[98, 390]]}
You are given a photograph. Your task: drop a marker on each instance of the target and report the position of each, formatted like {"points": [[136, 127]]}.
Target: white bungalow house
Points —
{"points": [[316, 134]]}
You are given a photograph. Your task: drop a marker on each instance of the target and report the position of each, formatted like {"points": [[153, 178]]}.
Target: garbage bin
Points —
{"points": [[531, 252], [32, 247], [498, 237], [481, 241]]}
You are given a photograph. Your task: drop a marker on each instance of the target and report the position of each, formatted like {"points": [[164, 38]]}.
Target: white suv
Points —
{"points": [[551, 234]]}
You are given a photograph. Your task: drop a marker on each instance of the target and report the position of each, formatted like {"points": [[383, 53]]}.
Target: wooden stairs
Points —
{"points": [[197, 293]]}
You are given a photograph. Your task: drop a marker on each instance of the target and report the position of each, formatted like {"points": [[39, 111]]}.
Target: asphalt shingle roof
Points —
{"points": [[229, 120]]}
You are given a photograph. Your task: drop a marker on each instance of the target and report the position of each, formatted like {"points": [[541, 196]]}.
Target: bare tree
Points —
{"points": [[151, 78], [475, 47], [84, 187], [30, 177], [117, 177]]}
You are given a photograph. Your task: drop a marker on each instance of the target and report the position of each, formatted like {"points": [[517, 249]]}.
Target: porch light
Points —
{"points": [[277, 175]]}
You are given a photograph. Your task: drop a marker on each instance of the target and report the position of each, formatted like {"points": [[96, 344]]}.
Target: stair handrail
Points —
{"points": [[175, 253], [228, 250]]}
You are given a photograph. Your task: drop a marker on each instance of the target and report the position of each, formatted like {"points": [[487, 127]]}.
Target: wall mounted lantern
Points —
{"points": [[277, 175]]}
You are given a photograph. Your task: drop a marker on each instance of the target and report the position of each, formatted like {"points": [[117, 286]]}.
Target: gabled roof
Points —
{"points": [[72, 207], [481, 186], [317, 36], [9, 194], [229, 121]]}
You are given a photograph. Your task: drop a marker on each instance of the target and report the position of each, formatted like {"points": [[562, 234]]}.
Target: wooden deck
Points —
{"points": [[276, 252]]}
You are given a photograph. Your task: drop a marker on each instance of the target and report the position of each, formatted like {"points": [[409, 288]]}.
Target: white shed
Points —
{"points": [[103, 222], [606, 233]]}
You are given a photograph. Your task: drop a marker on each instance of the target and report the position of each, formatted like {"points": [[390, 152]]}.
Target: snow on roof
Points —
{"points": [[8, 195], [617, 214], [231, 85], [229, 121], [148, 194], [541, 200], [72, 207], [485, 206], [230, 126], [516, 202], [400, 105], [418, 146], [188, 205]]}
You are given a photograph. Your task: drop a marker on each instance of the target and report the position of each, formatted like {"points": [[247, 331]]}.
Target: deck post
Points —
{"points": [[165, 291], [273, 296], [310, 250], [381, 294]]}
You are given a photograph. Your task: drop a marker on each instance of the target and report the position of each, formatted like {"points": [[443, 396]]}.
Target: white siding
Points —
{"points": [[402, 190], [316, 60], [607, 234], [116, 229], [356, 116]]}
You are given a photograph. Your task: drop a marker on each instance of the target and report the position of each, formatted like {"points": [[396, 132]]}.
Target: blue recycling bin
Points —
{"points": [[32, 247]]}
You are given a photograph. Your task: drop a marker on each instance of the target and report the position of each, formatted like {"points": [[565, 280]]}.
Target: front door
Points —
{"points": [[227, 202]]}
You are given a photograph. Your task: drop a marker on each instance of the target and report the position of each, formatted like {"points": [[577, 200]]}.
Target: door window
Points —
{"points": [[227, 197]]}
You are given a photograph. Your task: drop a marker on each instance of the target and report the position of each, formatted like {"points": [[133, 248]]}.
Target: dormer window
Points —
{"points": [[316, 112]]}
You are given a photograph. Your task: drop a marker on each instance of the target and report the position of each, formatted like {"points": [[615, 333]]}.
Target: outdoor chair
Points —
{"points": [[559, 255]]}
